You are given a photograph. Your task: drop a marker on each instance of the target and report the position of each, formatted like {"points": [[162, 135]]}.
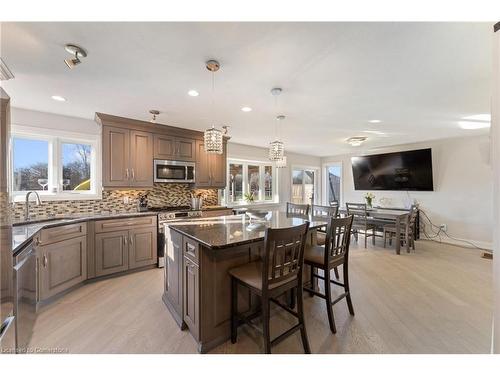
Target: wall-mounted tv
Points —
{"points": [[407, 170]]}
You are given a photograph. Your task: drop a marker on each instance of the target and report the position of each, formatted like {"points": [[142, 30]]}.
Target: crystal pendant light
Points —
{"points": [[276, 147], [281, 163], [213, 137]]}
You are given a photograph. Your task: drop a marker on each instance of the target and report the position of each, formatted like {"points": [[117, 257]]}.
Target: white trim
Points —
{"points": [[462, 243], [56, 138]]}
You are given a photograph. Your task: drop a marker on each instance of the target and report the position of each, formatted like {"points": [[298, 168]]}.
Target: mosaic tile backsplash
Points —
{"points": [[113, 201]]}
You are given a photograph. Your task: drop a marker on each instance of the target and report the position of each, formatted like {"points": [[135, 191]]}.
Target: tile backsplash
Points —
{"points": [[113, 201]]}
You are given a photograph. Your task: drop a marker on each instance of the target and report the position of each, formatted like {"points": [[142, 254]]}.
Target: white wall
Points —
{"points": [[239, 151], [26, 117], [463, 187]]}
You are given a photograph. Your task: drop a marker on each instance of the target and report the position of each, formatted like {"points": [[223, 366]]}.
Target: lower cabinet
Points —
{"points": [[111, 252], [61, 265], [191, 296], [173, 272], [118, 251]]}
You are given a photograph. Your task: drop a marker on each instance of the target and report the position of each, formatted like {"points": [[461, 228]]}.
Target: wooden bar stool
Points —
{"points": [[279, 271], [335, 253]]}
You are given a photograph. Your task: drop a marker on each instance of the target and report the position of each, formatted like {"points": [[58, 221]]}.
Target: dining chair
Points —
{"points": [[323, 212], [407, 229], [297, 209], [279, 271], [334, 254], [361, 221]]}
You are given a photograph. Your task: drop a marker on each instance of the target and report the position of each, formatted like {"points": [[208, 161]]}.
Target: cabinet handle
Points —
{"points": [[37, 241], [126, 174], [133, 174], [44, 261], [125, 241], [131, 241]]}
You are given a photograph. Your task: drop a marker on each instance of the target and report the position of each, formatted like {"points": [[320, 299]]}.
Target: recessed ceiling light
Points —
{"points": [[58, 98], [356, 141], [77, 52], [377, 132], [193, 93], [246, 109], [374, 121]]}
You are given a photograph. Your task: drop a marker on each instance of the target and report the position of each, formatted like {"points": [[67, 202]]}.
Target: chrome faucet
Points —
{"points": [[27, 206]]}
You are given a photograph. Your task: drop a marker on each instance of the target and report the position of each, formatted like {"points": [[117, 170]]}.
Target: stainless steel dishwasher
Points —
{"points": [[25, 293]]}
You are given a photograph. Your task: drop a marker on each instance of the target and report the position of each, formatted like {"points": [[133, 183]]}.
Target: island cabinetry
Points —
{"points": [[174, 148], [217, 212], [172, 296], [191, 298], [123, 244], [210, 168], [62, 259]]}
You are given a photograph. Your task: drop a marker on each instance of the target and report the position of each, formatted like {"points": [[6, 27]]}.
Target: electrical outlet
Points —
{"points": [[443, 227]]}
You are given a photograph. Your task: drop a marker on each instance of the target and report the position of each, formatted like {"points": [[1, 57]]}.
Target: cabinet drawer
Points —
{"points": [[191, 249], [124, 224], [64, 232]]}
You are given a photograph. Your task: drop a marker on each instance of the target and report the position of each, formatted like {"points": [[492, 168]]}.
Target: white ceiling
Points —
{"points": [[420, 79]]}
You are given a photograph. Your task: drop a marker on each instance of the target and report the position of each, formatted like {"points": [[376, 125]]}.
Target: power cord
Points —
{"points": [[434, 235]]}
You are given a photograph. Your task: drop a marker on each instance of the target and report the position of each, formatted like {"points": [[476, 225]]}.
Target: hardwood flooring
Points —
{"points": [[438, 299]]}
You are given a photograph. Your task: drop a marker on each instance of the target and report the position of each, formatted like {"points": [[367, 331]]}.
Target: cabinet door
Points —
{"points": [[191, 297], [218, 170], [141, 159], [164, 147], [62, 265], [202, 178], [115, 156], [185, 149], [111, 252], [173, 270], [143, 249]]}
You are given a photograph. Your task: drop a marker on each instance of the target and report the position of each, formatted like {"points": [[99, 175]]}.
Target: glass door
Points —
{"points": [[303, 186], [333, 184]]}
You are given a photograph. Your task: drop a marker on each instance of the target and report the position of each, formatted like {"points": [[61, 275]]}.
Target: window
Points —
{"points": [[303, 186], [60, 166], [250, 179]]}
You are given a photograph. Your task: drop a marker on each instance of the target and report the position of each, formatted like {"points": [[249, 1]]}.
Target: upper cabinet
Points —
{"points": [[129, 148], [174, 148], [210, 168], [127, 158]]}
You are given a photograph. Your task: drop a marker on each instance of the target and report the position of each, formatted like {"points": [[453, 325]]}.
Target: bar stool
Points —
{"points": [[279, 271], [335, 253]]}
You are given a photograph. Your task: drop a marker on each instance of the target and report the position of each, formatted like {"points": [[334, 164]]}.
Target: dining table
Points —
{"points": [[397, 217]]}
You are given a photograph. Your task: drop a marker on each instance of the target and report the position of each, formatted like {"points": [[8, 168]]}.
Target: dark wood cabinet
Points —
{"points": [[62, 265], [210, 168], [191, 296], [173, 275], [127, 158], [142, 247]]}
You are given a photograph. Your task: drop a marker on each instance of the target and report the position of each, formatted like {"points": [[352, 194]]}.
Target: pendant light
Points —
{"points": [[276, 147], [213, 137], [281, 163]]}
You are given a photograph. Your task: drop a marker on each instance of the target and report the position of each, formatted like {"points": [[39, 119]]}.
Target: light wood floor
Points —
{"points": [[436, 300]]}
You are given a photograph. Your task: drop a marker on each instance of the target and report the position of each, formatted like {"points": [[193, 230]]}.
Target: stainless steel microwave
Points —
{"points": [[174, 171]]}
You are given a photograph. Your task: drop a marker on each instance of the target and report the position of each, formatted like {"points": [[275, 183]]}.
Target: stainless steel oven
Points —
{"points": [[174, 171]]}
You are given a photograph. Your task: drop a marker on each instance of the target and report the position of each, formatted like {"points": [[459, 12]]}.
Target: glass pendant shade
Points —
{"points": [[213, 141], [281, 163], [276, 150]]}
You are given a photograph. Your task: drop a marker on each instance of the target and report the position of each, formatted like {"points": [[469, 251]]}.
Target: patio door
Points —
{"points": [[304, 185], [332, 182]]}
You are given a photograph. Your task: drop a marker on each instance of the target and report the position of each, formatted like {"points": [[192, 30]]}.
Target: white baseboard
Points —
{"points": [[459, 242]]}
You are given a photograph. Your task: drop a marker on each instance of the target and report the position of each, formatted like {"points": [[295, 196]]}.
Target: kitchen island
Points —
{"points": [[199, 254]]}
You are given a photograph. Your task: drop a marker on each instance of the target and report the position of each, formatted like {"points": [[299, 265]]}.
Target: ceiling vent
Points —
{"points": [[5, 73]]}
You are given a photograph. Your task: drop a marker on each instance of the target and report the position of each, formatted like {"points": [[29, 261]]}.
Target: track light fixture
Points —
{"points": [[77, 52]]}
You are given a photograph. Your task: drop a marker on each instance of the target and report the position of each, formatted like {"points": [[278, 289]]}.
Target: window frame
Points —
{"points": [[317, 178], [245, 183], [55, 164]]}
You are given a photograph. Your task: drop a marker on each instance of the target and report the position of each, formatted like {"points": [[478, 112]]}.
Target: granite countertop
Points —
{"points": [[227, 231], [214, 208], [23, 232]]}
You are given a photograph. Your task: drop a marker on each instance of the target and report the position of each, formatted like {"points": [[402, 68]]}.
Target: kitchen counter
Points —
{"points": [[23, 232], [226, 231]]}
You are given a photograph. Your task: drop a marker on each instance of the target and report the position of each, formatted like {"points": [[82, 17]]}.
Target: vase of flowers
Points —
{"points": [[369, 197]]}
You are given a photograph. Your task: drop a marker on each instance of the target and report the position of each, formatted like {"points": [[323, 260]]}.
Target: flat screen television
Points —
{"points": [[407, 170]]}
